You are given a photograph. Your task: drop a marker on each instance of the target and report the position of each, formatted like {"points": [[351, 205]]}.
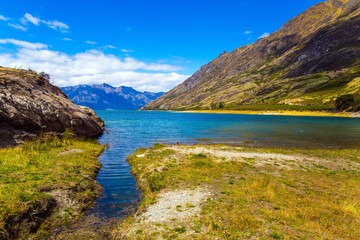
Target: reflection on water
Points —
{"points": [[129, 130]]}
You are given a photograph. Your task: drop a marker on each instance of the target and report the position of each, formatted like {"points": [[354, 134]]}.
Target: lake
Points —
{"points": [[129, 130]]}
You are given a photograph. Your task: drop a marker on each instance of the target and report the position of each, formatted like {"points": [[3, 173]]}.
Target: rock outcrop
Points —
{"points": [[29, 104], [313, 59]]}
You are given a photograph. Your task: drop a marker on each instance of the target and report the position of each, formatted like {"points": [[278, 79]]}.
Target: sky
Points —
{"points": [[148, 45]]}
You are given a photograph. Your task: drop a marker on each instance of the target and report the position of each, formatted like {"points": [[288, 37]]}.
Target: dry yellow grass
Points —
{"points": [[46, 183], [305, 194], [285, 113]]}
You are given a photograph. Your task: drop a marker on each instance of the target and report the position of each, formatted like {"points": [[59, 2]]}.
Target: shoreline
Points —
{"points": [[222, 192], [58, 187], [279, 113]]}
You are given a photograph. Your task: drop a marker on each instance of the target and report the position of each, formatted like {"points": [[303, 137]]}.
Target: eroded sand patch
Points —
{"points": [[71, 151], [179, 204], [173, 209], [260, 159]]}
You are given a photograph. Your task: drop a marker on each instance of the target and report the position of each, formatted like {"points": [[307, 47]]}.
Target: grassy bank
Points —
{"points": [[45, 183], [281, 112], [227, 192]]}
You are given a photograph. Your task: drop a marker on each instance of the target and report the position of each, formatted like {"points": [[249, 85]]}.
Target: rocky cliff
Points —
{"points": [[29, 104], [105, 96], [311, 61]]}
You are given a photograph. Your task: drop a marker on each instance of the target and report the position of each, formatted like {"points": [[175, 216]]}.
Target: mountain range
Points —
{"points": [[311, 62], [105, 96]]}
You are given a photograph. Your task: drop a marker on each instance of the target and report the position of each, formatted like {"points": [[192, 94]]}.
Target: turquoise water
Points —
{"points": [[129, 130]]}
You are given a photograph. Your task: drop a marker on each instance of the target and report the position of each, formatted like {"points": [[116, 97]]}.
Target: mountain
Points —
{"points": [[29, 105], [104, 96], [313, 61]]}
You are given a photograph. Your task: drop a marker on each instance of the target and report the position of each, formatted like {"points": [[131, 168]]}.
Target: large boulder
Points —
{"points": [[29, 104]]}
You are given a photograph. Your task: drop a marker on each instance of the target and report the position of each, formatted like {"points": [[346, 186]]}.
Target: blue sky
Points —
{"points": [[149, 45]]}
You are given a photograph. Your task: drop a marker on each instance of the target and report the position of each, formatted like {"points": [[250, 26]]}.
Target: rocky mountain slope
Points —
{"points": [[309, 62], [104, 96], [29, 104]]}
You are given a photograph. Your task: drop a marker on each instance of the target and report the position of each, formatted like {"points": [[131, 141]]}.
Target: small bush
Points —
{"points": [[200, 155], [274, 235], [215, 105], [344, 102], [156, 182], [202, 163], [45, 75], [180, 230]]}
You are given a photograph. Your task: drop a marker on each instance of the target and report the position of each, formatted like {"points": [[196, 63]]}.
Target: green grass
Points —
{"points": [[29, 172], [316, 92], [276, 107], [302, 199]]}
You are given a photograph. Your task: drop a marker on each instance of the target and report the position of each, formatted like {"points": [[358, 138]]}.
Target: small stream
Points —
{"points": [[130, 130]]}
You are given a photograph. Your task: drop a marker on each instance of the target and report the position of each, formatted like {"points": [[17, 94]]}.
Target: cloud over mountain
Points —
{"points": [[91, 67]]}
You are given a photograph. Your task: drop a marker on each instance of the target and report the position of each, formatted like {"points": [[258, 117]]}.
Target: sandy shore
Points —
{"points": [[229, 192], [284, 113]]}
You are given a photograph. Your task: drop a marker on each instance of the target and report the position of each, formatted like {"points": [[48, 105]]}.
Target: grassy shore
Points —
{"points": [[228, 192], [280, 112], [46, 183]]}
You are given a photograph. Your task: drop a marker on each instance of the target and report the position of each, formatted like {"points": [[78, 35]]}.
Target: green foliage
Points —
{"points": [[344, 102], [203, 163], [44, 163], [262, 197], [44, 75], [215, 105], [200, 155], [156, 182], [180, 230], [221, 105], [274, 235], [279, 107]]}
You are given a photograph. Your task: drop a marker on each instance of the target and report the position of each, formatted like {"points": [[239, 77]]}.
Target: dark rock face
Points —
{"points": [[29, 104], [317, 50], [104, 96]]}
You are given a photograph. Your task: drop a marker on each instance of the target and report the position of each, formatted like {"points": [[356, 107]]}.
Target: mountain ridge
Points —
{"points": [[315, 50], [104, 96]]}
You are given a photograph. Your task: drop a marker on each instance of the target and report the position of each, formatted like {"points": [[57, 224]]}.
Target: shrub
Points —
{"points": [[156, 182], [274, 235], [200, 155], [180, 230], [45, 75], [221, 105], [344, 102]]}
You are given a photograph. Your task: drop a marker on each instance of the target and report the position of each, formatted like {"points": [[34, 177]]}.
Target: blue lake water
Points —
{"points": [[129, 130]]}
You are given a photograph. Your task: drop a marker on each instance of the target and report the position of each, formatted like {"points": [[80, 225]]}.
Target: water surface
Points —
{"points": [[130, 130]]}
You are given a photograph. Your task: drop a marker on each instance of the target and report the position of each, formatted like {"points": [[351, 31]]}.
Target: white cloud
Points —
{"points": [[54, 24], [264, 35], [110, 46], [152, 82], [127, 50], [17, 26], [30, 18], [23, 44], [66, 39], [92, 67], [2, 18], [91, 42], [247, 32], [57, 25]]}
